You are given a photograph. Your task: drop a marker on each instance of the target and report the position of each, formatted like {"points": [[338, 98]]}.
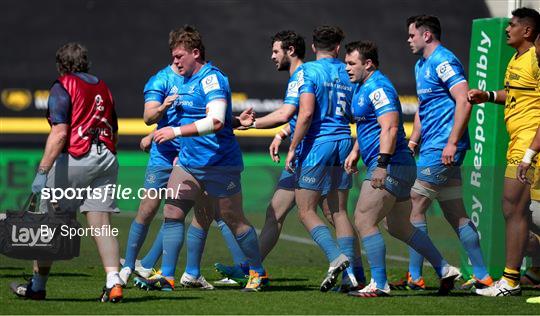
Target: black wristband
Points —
{"points": [[384, 160], [491, 96]]}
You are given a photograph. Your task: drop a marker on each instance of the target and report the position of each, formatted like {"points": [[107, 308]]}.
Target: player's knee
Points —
{"points": [[273, 215], [233, 219], [419, 193], [512, 210], [147, 211], [177, 209]]}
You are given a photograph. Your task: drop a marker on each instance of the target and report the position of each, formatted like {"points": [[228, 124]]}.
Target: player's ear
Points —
{"points": [[369, 64], [337, 49], [527, 31], [313, 48], [290, 51], [196, 53]]}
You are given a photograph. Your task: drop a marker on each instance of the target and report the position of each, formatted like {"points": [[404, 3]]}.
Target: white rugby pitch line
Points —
{"points": [[307, 241]]}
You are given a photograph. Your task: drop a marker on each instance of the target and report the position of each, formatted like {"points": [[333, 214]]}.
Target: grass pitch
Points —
{"points": [[296, 270]]}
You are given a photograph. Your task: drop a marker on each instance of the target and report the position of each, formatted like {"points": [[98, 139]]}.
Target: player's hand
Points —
{"points": [[448, 154], [274, 149], [290, 162], [412, 147], [377, 178], [476, 96], [164, 134], [146, 143], [39, 182], [351, 163], [522, 172], [168, 101], [246, 118]]}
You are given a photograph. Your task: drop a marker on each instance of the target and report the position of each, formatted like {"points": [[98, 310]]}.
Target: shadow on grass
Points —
{"points": [[126, 300], [434, 294], [288, 279], [11, 268], [53, 275], [290, 288], [271, 288], [153, 298]]}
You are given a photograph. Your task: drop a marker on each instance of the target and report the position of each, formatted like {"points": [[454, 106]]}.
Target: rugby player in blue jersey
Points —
{"points": [[391, 171], [288, 51], [209, 162], [442, 116], [319, 147], [161, 99]]}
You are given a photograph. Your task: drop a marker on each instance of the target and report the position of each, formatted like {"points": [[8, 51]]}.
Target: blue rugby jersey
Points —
{"points": [[217, 149], [328, 80], [435, 76], [375, 97]]}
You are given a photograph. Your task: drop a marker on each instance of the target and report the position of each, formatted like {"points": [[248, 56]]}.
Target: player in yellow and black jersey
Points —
{"points": [[521, 98]]}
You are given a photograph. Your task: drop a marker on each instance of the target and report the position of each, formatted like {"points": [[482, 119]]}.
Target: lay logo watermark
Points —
{"points": [[32, 237]]}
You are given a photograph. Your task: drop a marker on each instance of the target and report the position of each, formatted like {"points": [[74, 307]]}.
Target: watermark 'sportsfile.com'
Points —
{"points": [[109, 191]]}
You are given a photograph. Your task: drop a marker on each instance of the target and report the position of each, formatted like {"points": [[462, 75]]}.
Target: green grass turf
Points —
{"points": [[295, 269]]}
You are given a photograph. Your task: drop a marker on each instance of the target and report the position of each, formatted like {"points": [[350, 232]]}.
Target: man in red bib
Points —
{"points": [[79, 154]]}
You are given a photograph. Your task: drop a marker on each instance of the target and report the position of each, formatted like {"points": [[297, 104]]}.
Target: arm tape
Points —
{"points": [[216, 110]]}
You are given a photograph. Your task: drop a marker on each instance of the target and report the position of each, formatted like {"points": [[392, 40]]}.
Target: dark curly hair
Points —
{"points": [[72, 57]]}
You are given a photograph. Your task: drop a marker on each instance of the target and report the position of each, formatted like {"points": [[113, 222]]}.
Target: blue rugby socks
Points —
{"points": [[173, 238], [321, 235], [137, 234], [249, 244], [416, 260], [151, 258], [196, 238], [375, 253], [420, 242], [239, 258], [468, 235]]}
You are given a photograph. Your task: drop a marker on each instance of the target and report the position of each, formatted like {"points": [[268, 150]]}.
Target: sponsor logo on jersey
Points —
{"points": [[98, 101], [392, 181], [427, 74], [292, 89], [151, 178], [441, 178], [231, 186], [423, 91], [174, 90], [426, 171], [210, 83], [445, 71], [379, 98], [310, 180]]}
